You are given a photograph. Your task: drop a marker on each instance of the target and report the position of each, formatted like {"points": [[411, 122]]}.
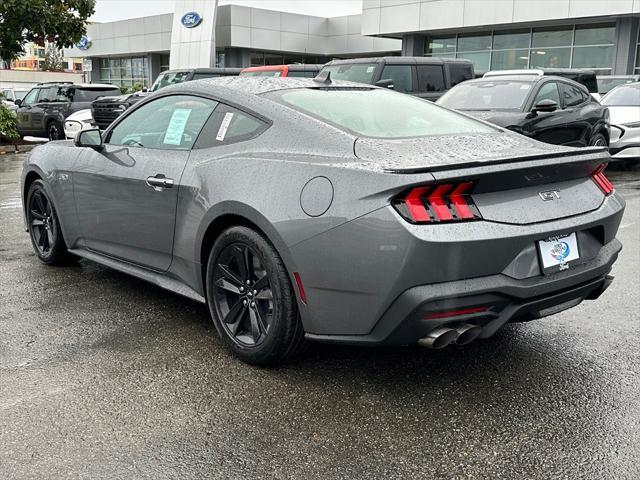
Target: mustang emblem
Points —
{"points": [[549, 195]]}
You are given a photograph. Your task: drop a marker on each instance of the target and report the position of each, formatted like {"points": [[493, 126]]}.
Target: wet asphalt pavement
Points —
{"points": [[105, 376]]}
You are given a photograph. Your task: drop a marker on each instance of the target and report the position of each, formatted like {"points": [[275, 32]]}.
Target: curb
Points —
{"points": [[16, 148]]}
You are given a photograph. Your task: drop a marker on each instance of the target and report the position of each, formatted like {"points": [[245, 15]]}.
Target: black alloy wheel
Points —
{"points": [[599, 140], [251, 299], [242, 295], [41, 224], [44, 228]]}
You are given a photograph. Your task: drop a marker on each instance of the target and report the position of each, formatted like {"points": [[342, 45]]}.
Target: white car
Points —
{"points": [[623, 103], [76, 122]]}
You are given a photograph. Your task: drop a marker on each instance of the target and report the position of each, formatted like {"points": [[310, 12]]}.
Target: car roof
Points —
{"points": [[204, 70], [528, 79], [300, 67], [512, 77], [97, 86], [402, 60], [257, 85]]}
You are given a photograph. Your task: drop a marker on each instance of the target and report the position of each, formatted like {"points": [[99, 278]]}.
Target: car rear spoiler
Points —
{"points": [[578, 156]]}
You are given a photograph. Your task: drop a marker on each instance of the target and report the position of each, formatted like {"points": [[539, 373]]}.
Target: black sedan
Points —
{"points": [[550, 109]]}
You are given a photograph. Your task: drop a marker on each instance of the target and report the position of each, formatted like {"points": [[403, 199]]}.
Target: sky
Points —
{"points": [[111, 10]]}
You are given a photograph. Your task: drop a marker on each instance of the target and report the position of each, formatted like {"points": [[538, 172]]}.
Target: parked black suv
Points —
{"points": [[106, 110], [548, 108], [425, 77], [42, 111]]}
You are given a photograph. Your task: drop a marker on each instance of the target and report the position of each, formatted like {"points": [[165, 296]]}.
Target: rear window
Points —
{"points": [[379, 112], [302, 74], [354, 72], [91, 94], [487, 95]]}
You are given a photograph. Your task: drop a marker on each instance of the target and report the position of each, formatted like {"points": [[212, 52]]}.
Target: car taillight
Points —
{"points": [[602, 181], [447, 202]]}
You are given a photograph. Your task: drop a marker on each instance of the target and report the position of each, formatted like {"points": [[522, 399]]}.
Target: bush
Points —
{"points": [[8, 128], [137, 87], [124, 90]]}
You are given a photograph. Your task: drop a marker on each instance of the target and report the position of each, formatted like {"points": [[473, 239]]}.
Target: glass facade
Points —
{"points": [[124, 71], [637, 70], [574, 46]]}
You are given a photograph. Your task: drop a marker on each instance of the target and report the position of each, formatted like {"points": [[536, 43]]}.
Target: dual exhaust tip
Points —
{"points": [[442, 336]]}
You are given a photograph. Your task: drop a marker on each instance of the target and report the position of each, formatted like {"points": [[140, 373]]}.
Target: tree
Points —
{"points": [[60, 22], [53, 59], [8, 130]]}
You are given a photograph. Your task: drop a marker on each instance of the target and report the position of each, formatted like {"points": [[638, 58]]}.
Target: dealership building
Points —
{"points": [[493, 34]]}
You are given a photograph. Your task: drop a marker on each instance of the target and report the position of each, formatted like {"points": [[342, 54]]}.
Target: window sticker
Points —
{"points": [[370, 69], [224, 126], [178, 122], [525, 87]]}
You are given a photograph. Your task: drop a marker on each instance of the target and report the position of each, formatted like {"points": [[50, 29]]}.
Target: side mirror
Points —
{"points": [[387, 83], [91, 138], [546, 105], [145, 89], [18, 102]]}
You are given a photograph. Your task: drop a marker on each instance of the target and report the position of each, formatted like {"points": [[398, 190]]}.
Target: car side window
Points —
{"points": [[430, 78], [572, 95], [548, 91], [459, 72], [8, 94], [31, 97], [229, 125], [167, 123], [401, 76], [48, 94], [63, 95]]}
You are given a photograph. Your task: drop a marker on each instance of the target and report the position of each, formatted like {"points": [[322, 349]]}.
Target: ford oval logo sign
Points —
{"points": [[84, 43], [191, 19]]}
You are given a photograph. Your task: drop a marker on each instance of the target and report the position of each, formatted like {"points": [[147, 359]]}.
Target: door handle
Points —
{"points": [[159, 182]]}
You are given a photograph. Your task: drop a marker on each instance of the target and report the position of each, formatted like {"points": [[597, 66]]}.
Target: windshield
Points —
{"points": [[605, 85], [169, 78], [354, 72], [379, 113], [488, 95], [626, 96]]}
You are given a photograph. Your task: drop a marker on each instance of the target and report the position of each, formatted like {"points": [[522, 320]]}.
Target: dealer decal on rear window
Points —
{"points": [[224, 126]]}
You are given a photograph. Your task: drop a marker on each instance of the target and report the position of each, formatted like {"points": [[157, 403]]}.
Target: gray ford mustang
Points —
{"points": [[310, 209]]}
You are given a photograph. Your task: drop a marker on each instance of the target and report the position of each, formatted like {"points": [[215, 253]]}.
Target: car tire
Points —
{"points": [[251, 299], [55, 131], [44, 227], [599, 140]]}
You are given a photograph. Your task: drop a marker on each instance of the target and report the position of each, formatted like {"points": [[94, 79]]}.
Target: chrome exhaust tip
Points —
{"points": [[467, 333], [439, 338]]}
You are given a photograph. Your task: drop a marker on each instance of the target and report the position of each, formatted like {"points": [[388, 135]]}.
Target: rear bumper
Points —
{"points": [[507, 299]]}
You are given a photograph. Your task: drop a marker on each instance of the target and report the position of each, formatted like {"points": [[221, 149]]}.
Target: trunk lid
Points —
{"points": [[516, 180]]}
